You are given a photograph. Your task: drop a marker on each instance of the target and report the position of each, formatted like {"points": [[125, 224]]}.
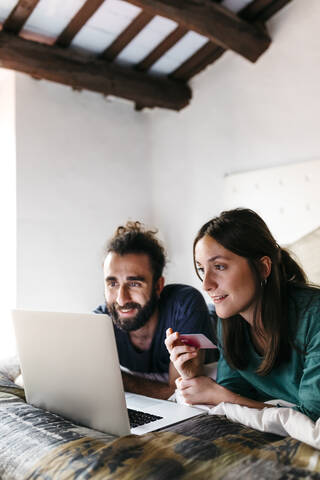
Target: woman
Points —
{"points": [[268, 324]]}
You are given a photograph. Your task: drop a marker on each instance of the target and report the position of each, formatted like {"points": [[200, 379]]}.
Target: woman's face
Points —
{"points": [[227, 278]]}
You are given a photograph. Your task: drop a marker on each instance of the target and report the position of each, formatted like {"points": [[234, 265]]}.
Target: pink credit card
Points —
{"points": [[197, 340]]}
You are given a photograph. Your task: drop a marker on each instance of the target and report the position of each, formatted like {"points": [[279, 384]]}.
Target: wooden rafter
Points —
{"points": [[70, 68], [125, 37], [207, 54], [262, 10], [213, 21], [161, 49], [77, 22], [256, 11], [19, 15]]}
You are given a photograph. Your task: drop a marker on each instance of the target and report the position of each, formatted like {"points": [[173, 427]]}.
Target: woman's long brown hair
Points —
{"points": [[243, 232]]}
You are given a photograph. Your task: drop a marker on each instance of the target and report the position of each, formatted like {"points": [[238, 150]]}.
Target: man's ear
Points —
{"points": [[159, 285], [265, 267]]}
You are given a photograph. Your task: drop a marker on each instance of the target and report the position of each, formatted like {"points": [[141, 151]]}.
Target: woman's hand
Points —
{"points": [[187, 360], [199, 390], [204, 390]]}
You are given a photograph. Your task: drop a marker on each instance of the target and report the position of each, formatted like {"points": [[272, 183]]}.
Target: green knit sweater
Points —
{"points": [[296, 381]]}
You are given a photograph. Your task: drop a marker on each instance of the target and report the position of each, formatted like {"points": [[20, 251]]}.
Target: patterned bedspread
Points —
{"points": [[35, 444]]}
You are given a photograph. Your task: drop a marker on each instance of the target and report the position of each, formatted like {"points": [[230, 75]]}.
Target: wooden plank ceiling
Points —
{"points": [[57, 60]]}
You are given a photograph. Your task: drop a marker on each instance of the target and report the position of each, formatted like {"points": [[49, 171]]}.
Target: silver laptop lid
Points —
{"points": [[70, 366]]}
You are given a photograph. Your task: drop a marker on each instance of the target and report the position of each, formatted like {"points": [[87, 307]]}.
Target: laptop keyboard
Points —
{"points": [[137, 418]]}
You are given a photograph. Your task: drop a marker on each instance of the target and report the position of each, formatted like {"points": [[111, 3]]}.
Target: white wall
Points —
{"points": [[7, 210], [86, 163], [243, 116], [82, 169]]}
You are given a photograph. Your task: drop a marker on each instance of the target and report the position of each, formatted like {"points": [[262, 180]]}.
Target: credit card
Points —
{"points": [[198, 340]]}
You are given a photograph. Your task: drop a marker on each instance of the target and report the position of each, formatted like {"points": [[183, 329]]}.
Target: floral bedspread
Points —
{"points": [[35, 444]]}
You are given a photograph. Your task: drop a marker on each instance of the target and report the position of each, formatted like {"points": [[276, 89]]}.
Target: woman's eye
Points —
{"points": [[200, 271], [219, 267]]}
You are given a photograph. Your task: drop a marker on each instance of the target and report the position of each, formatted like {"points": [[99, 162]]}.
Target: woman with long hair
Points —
{"points": [[268, 320]]}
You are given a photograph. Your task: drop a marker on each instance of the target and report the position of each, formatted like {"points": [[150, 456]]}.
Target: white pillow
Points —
{"points": [[307, 252]]}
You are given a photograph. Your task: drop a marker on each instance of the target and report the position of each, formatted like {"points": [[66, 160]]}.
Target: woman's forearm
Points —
{"points": [[226, 395], [204, 390]]}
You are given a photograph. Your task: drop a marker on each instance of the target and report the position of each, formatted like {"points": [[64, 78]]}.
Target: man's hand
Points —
{"points": [[150, 388], [187, 360]]}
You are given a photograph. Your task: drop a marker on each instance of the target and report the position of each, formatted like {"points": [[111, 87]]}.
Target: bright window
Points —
{"points": [[7, 211]]}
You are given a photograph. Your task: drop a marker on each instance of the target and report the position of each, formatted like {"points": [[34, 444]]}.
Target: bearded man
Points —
{"points": [[142, 309]]}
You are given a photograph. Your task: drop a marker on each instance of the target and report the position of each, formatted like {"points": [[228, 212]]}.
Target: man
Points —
{"points": [[142, 308]]}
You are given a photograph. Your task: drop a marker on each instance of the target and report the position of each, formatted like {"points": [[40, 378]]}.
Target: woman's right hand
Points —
{"points": [[187, 360]]}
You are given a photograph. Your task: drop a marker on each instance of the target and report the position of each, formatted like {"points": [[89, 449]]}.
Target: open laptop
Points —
{"points": [[70, 366]]}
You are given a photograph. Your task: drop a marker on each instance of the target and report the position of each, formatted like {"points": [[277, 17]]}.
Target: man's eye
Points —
{"points": [[134, 284], [111, 284]]}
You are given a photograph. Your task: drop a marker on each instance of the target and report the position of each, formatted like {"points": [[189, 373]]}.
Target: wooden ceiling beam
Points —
{"points": [[125, 37], [77, 22], [213, 21], [161, 49], [207, 54], [262, 10], [19, 15], [256, 11], [70, 68], [167, 43]]}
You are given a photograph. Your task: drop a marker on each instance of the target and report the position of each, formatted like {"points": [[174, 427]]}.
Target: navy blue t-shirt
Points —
{"points": [[182, 308]]}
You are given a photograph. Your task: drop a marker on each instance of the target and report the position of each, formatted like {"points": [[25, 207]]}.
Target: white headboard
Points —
{"points": [[287, 197]]}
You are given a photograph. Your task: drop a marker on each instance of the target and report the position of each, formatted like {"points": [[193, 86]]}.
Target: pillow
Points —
{"points": [[10, 367], [307, 252]]}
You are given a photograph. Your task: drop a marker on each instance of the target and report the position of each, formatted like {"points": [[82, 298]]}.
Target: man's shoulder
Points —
{"points": [[179, 290], [101, 309], [181, 295], [185, 310]]}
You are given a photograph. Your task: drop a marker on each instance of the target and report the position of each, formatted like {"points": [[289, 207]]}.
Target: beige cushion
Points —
{"points": [[307, 252]]}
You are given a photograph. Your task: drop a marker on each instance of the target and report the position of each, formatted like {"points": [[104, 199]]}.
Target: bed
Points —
{"points": [[35, 444]]}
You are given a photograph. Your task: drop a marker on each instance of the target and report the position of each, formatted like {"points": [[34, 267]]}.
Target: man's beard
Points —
{"points": [[140, 319]]}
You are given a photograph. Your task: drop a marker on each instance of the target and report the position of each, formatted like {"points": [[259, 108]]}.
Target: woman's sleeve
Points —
{"points": [[229, 377], [233, 380], [309, 388]]}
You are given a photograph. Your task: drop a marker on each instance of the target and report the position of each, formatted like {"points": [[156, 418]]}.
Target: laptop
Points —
{"points": [[70, 366]]}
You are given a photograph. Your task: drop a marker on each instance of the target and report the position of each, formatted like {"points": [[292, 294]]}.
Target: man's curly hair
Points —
{"points": [[133, 237]]}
